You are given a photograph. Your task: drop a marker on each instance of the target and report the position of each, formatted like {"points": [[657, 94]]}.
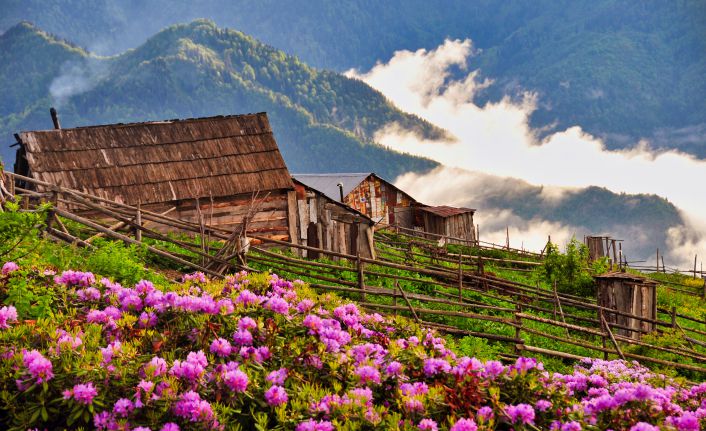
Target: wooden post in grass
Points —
{"points": [[674, 317], [603, 334], [695, 266], [518, 328], [394, 298], [460, 277], [703, 294], [658, 260], [51, 215], [361, 276], [138, 222]]}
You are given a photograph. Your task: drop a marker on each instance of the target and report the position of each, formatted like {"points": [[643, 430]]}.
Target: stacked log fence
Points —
{"points": [[456, 284]]}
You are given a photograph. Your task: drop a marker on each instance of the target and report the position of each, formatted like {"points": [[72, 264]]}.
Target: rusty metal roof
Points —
{"points": [[446, 211], [328, 183], [161, 161]]}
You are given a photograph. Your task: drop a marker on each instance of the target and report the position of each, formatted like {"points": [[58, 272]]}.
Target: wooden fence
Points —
{"points": [[456, 282]]}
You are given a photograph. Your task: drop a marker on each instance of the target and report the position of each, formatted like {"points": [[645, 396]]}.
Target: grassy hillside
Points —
{"points": [[104, 338], [619, 69], [323, 121]]}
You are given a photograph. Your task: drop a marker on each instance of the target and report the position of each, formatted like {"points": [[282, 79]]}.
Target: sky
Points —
{"points": [[495, 138]]}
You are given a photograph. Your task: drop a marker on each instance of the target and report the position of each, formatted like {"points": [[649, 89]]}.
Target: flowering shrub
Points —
{"points": [[260, 352]]}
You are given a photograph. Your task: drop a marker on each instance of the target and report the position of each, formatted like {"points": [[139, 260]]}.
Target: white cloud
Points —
{"points": [[496, 138]]}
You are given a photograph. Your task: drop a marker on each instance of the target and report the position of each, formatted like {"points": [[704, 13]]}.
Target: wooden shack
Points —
{"points": [[367, 193], [450, 222], [221, 163], [630, 294], [331, 225], [602, 246]]}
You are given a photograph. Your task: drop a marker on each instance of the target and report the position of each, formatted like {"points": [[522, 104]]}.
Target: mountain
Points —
{"points": [[621, 70], [323, 121]]}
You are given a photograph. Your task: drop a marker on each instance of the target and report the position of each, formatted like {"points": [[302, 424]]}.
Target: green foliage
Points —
{"points": [[322, 120], [569, 270], [124, 263], [17, 226]]}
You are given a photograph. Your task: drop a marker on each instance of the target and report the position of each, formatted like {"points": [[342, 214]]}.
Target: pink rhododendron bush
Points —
{"points": [[259, 352]]}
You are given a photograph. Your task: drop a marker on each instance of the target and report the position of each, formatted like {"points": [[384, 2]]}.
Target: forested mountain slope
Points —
{"points": [[621, 70], [323, 121]]}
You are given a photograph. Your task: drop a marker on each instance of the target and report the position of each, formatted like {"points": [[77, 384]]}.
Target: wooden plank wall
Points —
{"points": [[378, 200], [270, 219], [629, 297], [333, 223], [458, 226]]}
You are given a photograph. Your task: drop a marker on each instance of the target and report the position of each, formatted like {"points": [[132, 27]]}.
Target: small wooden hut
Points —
{"points": [[367, 193], [331, 225], [450, 222], [630, 294]]}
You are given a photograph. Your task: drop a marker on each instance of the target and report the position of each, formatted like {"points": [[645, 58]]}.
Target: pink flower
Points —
{"points": [[170, 426], [278, 305], [464, 425], [9, 267], [485, 413], [242, 337], [276, 396], [521, 413], [246, 323], [84, 393], [155, 367], [221, 347], [277, 377], [123, 407], [312, 425], [368, 374], [433, 366], [38, 366], [7, 314], [427, 425], [236, 380], [191, 407]]}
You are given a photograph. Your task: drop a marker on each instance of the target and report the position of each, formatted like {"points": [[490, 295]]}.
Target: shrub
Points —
{"points": [[570, 270], [137, 358]]}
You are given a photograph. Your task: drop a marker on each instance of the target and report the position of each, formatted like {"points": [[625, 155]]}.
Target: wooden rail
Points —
{"points": [[448, 285]]}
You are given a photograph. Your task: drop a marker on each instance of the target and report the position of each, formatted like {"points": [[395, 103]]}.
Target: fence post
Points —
{"points": [[51, 215], [703, 294], [138, 222], [361, 276], [674, 317], [394, 298], [518, 328], [603, 333], [460, 277]]}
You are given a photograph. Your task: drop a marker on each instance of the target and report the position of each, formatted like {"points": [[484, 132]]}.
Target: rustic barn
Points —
{"points": [[450, 222], [365, 192], [631, 294], [223, 163], [329, 224]]}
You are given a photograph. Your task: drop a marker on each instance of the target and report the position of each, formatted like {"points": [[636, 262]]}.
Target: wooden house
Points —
{"points": [[629, 294], [329, 224], [365, 192], [449, 222], [219, 168], [168, 164]]}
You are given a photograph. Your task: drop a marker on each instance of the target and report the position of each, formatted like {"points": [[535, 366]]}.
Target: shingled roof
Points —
{"points": [[161, 161]]}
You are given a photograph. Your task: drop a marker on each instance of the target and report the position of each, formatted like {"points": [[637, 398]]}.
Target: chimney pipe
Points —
{"points": [[55, 118], [340, 190]]}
